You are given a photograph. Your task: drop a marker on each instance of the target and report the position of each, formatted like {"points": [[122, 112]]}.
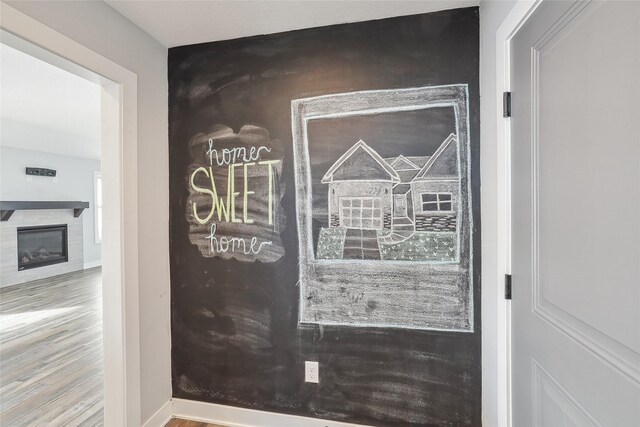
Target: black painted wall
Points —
{"points": [[235, 335]]}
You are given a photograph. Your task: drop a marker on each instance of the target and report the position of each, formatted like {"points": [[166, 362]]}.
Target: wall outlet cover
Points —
{"points": [[311, 372]]}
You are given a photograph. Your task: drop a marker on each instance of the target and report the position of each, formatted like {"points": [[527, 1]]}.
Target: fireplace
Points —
{"points": [[42, 245]]}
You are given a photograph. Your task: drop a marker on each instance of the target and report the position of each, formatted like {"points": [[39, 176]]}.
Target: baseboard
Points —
{"points": [[92, 264], [240, 417], [161, 417]]}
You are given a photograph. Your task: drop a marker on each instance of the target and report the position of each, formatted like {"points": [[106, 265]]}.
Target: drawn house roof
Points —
{"points": [[419, 161], [401, 188], [407, 167], [401, 163], [443, 163], [361, 162], [407, 176]]}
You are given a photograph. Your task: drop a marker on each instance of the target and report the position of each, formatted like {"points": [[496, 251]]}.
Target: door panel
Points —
{"points": [[555, 406], [575, 215], [582, 213]]}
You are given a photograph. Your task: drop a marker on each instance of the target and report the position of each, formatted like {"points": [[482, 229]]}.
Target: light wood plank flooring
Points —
{"points": [[51, 351], [177, 422]]}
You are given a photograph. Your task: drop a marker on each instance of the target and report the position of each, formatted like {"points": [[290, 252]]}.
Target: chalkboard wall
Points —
{"points": [[324, 206]]}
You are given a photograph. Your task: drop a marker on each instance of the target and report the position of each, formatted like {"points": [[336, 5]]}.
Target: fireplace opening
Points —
{"points": [[43, 245]]}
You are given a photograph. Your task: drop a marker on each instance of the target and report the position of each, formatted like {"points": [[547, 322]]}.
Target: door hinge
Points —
{"points": [[506, 104], [507, 286]]}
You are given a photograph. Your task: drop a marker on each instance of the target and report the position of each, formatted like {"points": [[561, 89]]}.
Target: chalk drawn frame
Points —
{"points": [[446, 316]]}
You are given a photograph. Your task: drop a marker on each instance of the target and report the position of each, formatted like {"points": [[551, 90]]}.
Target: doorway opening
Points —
{"points": [[118, 237], [51, 310]]}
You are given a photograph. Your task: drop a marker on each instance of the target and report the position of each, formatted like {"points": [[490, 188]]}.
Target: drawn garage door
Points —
{"points": [[361, 212]]}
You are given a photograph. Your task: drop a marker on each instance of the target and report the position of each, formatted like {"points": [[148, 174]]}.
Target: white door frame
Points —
{"points": [[120, 220], [497, 373]]}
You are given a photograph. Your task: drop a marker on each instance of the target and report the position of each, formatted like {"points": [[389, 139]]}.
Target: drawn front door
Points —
{"points": [[400, 205], [361, 213], [576, 323]]}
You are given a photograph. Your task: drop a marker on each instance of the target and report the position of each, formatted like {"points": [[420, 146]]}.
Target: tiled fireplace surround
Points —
{"points": [[9, 274]]}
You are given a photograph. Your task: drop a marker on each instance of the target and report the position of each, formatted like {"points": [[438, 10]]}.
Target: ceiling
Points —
{"points": [[44, 108], [177, 23]]}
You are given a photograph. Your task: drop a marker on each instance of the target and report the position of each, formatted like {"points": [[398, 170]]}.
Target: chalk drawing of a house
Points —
{"points": [[381, 203]]}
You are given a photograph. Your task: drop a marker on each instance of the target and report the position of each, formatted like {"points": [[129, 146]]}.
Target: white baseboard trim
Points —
{"points": [[161, 417], [232, 416], [92, 264]]}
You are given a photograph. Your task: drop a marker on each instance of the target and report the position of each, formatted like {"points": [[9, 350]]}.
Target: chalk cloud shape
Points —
{"points": [[246, 242]]}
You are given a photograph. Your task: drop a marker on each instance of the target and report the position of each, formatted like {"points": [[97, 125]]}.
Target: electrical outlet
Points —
{"points": [[311, 372]]}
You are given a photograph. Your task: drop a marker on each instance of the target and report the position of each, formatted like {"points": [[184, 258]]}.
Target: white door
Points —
{"points": [[361, 213], [576, 216]]}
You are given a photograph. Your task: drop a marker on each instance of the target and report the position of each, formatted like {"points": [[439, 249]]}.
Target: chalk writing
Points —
{"points": [[229, 156], [224, 244], [235, 194], [228, 210]]}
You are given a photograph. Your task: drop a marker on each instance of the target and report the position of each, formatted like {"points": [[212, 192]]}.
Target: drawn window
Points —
{"points": [[361, 213], [436, 202]]}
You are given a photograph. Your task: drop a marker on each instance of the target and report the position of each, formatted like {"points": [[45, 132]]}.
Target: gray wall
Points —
{"points": [[74, 181], [100, 28]]}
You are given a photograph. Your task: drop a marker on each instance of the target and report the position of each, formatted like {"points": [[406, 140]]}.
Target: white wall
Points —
{"points": [[74, 182], [492, 14], [102, 29]]}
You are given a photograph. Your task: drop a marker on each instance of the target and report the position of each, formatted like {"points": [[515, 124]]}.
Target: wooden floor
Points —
{"points": [[177, 422], [51, 351]]}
